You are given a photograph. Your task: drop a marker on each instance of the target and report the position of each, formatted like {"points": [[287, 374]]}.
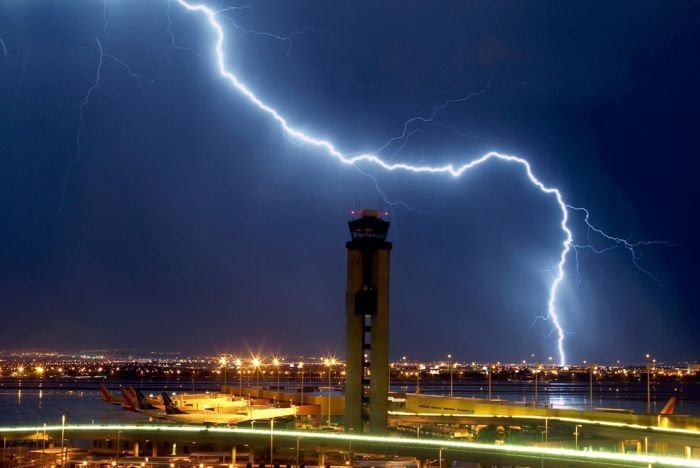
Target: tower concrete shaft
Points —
{"points": [[367, 325]]}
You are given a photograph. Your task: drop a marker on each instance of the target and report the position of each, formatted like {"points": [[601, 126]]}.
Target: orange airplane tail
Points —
{"points": [[130, 401], [106, 396], [669, 407]]}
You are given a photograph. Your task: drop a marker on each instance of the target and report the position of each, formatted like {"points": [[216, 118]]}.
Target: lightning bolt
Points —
{"points": [[616, 242], [3, 47], [105, 18], [359, 161], [169, 31], [431, 119], [289, 39], [81, 114], [373, 159], [80, 105]]}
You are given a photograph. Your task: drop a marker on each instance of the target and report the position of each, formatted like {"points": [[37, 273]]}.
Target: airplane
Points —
{"points": [[139, 400], [667, 410], [212, 402], [109, 397], [174, 413], [135, 401]]}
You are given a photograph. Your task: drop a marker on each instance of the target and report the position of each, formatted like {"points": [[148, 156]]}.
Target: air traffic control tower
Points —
{"points": [[367, 316]]}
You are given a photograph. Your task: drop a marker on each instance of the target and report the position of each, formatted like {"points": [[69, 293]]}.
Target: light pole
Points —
{"points": [[329, 362], [590, 386], [649, 383], [449, 362], [276, 363], [301, 369], [256, 365], [239, 364], [272, 440], [224, 363], [63, 430], [119, 433], [403, 369], [490, 377], [420, 368], [576, 433], [536, 372], [488, 370], [297, 452]]}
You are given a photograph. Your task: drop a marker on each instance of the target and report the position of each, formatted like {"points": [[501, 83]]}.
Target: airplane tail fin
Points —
{"points": [[140, 399], [134, 397], [105, 393], [669, 407], [140, 396], [130, 401], [170, 407]]}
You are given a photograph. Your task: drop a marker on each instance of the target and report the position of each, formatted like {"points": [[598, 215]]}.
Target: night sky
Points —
{"points": [[183, 218]]}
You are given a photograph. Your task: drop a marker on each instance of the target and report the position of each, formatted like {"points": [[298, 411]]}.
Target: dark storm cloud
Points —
{"points": [[190, 222]]}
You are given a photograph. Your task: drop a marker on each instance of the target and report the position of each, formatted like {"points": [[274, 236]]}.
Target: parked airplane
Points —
{"points": [[199, 416], [135, 401], [109, 397]]}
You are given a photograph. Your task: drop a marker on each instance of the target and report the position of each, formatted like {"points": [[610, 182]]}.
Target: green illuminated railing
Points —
{"points": [[515, 450]]}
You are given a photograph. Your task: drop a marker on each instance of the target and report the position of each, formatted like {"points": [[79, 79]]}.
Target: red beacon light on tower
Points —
{"points": [[364, 213]]}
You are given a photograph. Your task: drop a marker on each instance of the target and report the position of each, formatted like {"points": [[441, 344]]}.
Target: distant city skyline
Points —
{"points": [[287, 358]]}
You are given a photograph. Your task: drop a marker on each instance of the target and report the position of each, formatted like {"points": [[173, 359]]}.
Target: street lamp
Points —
{"points": [[576, 434], [330, 362], [420, 368], [276, 363], [648, 356], [272, 440], [119, 433], [488, 370], [449, 357], [256, 365], [63, 432], [224, 363], [301, 369], [591, 371], [239, 364]]}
